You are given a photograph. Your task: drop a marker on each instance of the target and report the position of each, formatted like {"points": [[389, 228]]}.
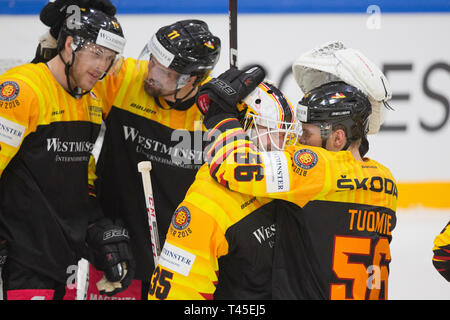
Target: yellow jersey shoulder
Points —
{"points": [[34, 87]]}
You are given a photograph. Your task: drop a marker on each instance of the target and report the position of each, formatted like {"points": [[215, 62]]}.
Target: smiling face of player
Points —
{"points": [[91, 63]]}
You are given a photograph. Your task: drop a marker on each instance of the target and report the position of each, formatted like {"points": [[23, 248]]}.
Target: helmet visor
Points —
{"points": [[164, 78], [160, 76], [103, 59]]}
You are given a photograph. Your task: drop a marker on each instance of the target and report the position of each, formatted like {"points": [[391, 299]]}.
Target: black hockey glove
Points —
{"points": [[221, 94], [110, 252], [54, 13], [3, 252]]}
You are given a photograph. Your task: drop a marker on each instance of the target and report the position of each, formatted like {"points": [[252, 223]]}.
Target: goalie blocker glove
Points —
{"points": [[110, 252], [220, 95]]}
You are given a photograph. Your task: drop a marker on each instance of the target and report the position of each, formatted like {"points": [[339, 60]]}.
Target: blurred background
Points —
{"points": [[407, 39]]}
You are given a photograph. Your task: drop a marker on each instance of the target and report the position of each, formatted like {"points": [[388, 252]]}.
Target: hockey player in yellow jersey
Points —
{"points": [[219, 244], [441, 252], [336, 223], [150, 114], [50, 120]]}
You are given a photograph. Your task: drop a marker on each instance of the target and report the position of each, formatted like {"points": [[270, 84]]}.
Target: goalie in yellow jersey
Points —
{"points": [[220, 243], [336, 223], [50, 120]]}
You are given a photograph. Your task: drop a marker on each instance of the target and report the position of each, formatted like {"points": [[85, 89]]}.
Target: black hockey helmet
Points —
{"points": [[336, 103], [92, 26], [187, 47]]}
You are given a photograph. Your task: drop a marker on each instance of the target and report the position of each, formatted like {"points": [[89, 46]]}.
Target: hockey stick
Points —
{"points": [[232, 14], [144, 167]]}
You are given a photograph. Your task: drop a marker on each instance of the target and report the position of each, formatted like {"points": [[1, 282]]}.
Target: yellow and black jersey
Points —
{"points": [[138, 128], [218, 246], [441, 252], [46, 139], [334, 230]]}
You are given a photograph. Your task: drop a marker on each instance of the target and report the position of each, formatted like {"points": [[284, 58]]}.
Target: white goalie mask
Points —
{"points": [[269, 118]]}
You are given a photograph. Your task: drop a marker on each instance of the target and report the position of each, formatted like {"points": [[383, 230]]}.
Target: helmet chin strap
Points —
{"points": [[178, 101], [347, 144], [73, 91]]}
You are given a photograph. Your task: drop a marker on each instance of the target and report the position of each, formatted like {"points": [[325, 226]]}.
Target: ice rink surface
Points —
{"points": [[412, 274]]}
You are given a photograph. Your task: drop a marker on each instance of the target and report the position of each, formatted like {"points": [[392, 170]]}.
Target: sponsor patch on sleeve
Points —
{"points": [[276, 171], [11, 133], [176, 259]]}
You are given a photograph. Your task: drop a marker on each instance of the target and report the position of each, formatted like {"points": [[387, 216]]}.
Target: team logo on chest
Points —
{"points": [[305, 159]]}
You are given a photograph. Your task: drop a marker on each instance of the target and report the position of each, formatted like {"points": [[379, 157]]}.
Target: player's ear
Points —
{"points": [[338, 139], [69, 45]]}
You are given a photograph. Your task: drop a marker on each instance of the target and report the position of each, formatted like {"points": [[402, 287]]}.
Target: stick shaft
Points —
{"points": [[232, 12], [144, 168]]}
